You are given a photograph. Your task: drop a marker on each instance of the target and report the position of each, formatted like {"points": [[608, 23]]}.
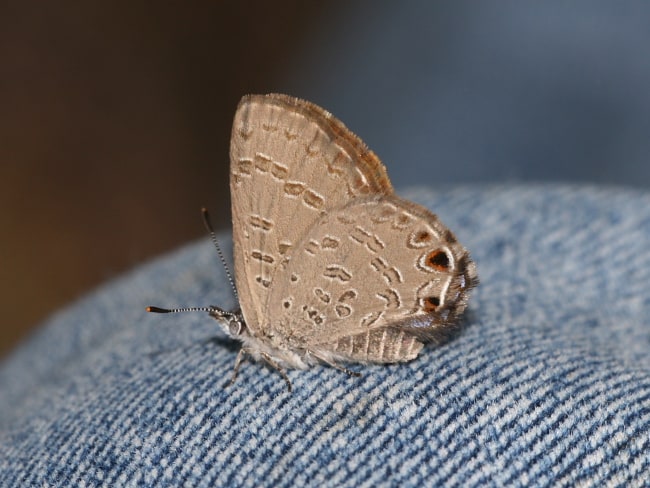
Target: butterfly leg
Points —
{"points": [[333, 364], [277, 367], [240, 357]]}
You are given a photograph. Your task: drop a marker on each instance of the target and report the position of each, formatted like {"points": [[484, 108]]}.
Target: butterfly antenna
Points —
{"points": [[179, 310], [215, 241]]}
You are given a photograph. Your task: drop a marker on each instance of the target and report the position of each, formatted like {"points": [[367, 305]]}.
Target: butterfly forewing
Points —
{"points": [[291, 163]]}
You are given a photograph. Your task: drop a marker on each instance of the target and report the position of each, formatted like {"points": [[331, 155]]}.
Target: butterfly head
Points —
{"points": [[232, 322]]}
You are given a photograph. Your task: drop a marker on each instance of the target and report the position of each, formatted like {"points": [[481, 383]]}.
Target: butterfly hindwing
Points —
{"points": [[370, 280]]}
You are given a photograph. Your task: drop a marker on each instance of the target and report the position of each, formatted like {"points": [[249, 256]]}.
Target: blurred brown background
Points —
{"points": [[114, 128]]}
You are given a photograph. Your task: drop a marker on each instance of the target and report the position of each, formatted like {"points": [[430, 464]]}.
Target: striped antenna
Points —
{"points": [[215, 241]]}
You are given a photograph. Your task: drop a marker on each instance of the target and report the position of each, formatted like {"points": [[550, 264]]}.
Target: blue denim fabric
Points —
{"points": [[547, 384]]}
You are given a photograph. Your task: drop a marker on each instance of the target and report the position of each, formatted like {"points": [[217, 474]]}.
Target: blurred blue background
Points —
{"points": [[116, 116], [489, 91]]}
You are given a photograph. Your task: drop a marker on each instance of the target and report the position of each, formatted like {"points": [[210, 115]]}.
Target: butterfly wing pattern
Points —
{"points": [[330, 264]]}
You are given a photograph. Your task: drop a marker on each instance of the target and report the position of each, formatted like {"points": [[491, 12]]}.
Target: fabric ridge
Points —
{"points": [[546, 384]]}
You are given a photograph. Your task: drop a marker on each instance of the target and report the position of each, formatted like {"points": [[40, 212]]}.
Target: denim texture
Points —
{"points": [[547, 383]]}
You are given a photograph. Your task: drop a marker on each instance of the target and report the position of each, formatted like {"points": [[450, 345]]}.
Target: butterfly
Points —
{"points": [[331, 266]]}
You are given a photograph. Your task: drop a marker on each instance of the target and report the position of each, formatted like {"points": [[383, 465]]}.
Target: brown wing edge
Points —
{"points": [[336, 130]]}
